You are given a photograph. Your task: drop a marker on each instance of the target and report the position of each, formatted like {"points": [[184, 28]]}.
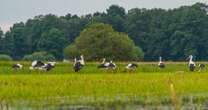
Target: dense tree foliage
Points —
{"points": [[53, 42], [173, 34], [101, 41]]}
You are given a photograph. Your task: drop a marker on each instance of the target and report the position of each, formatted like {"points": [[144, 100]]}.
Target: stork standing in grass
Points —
{"points": [[191, 63], [161, 65], [131, 67], [201, 67], [104, 64], [78, 65], [111, 67], [37, 65], [17, 66], [49, 66], [107, 65]]}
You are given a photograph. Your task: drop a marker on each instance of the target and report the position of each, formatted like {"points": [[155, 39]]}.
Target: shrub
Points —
{"points": [[138, 54], [43, 56], [5, 58], [71, 52]]}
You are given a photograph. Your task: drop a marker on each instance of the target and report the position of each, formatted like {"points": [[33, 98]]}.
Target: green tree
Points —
{"points": [[71, 52], [20, 46], [1, 41], [8, 44], [53, 42], [100, 40]]}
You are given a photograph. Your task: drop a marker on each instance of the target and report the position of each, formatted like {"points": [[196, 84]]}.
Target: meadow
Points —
{"points": [[94, 88]]}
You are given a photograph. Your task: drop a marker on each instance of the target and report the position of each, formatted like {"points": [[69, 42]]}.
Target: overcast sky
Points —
{"points": [[13, 11]]}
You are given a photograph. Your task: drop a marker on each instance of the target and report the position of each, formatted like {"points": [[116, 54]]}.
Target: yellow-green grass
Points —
{"points": [[100, 88], [148, 84]]}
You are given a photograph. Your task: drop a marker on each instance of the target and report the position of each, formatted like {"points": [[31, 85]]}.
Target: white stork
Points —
{"points": [[112, 65], [37, 65], [161, 64], [201, 67], [17, 66], [107, 65], [191, 63], [79, 64], [104, 64], [49, 66], [131, 67]]}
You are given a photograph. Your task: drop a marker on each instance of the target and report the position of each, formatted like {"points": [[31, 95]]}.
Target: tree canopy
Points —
{"points": [[101, 41]]}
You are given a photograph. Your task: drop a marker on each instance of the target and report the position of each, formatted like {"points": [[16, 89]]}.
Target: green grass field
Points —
{"points": [[91, 86]]}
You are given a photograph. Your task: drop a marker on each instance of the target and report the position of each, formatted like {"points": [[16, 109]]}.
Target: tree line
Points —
{"points": [[172, 34]]}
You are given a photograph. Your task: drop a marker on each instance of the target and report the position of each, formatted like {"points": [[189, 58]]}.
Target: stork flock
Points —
{"points": [[109, 66], [36, 65]]}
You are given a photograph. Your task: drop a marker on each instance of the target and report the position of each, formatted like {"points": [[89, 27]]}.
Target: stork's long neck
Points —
{"points": [[190, 61], [160, 60], [103, 61]]}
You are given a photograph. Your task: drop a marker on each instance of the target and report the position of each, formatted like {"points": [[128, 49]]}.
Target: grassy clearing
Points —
{"points": [[100, 88], [94, 86]]}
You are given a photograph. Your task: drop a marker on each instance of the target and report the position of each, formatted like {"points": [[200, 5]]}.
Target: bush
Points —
{"points": [[5, 58], [42, 56], [71, 52], [138, 54]]}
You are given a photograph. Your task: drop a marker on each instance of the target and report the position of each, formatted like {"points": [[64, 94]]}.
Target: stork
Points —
{"points": [[37, 65], [201, 67], [107, 65], [49, 66], [17, 66], [112, 66], [161, 64], [104, 64], [191, 63], [79, 64], [131, 67]]}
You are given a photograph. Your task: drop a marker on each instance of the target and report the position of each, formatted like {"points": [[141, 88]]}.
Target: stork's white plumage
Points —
{"points": [[104, 64], [49, 66], [191, 63], [37, 65], [201, 67], [79, 64], [112, 65], [131, 66], [161, 64], [108, 65], [17, 66]]}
